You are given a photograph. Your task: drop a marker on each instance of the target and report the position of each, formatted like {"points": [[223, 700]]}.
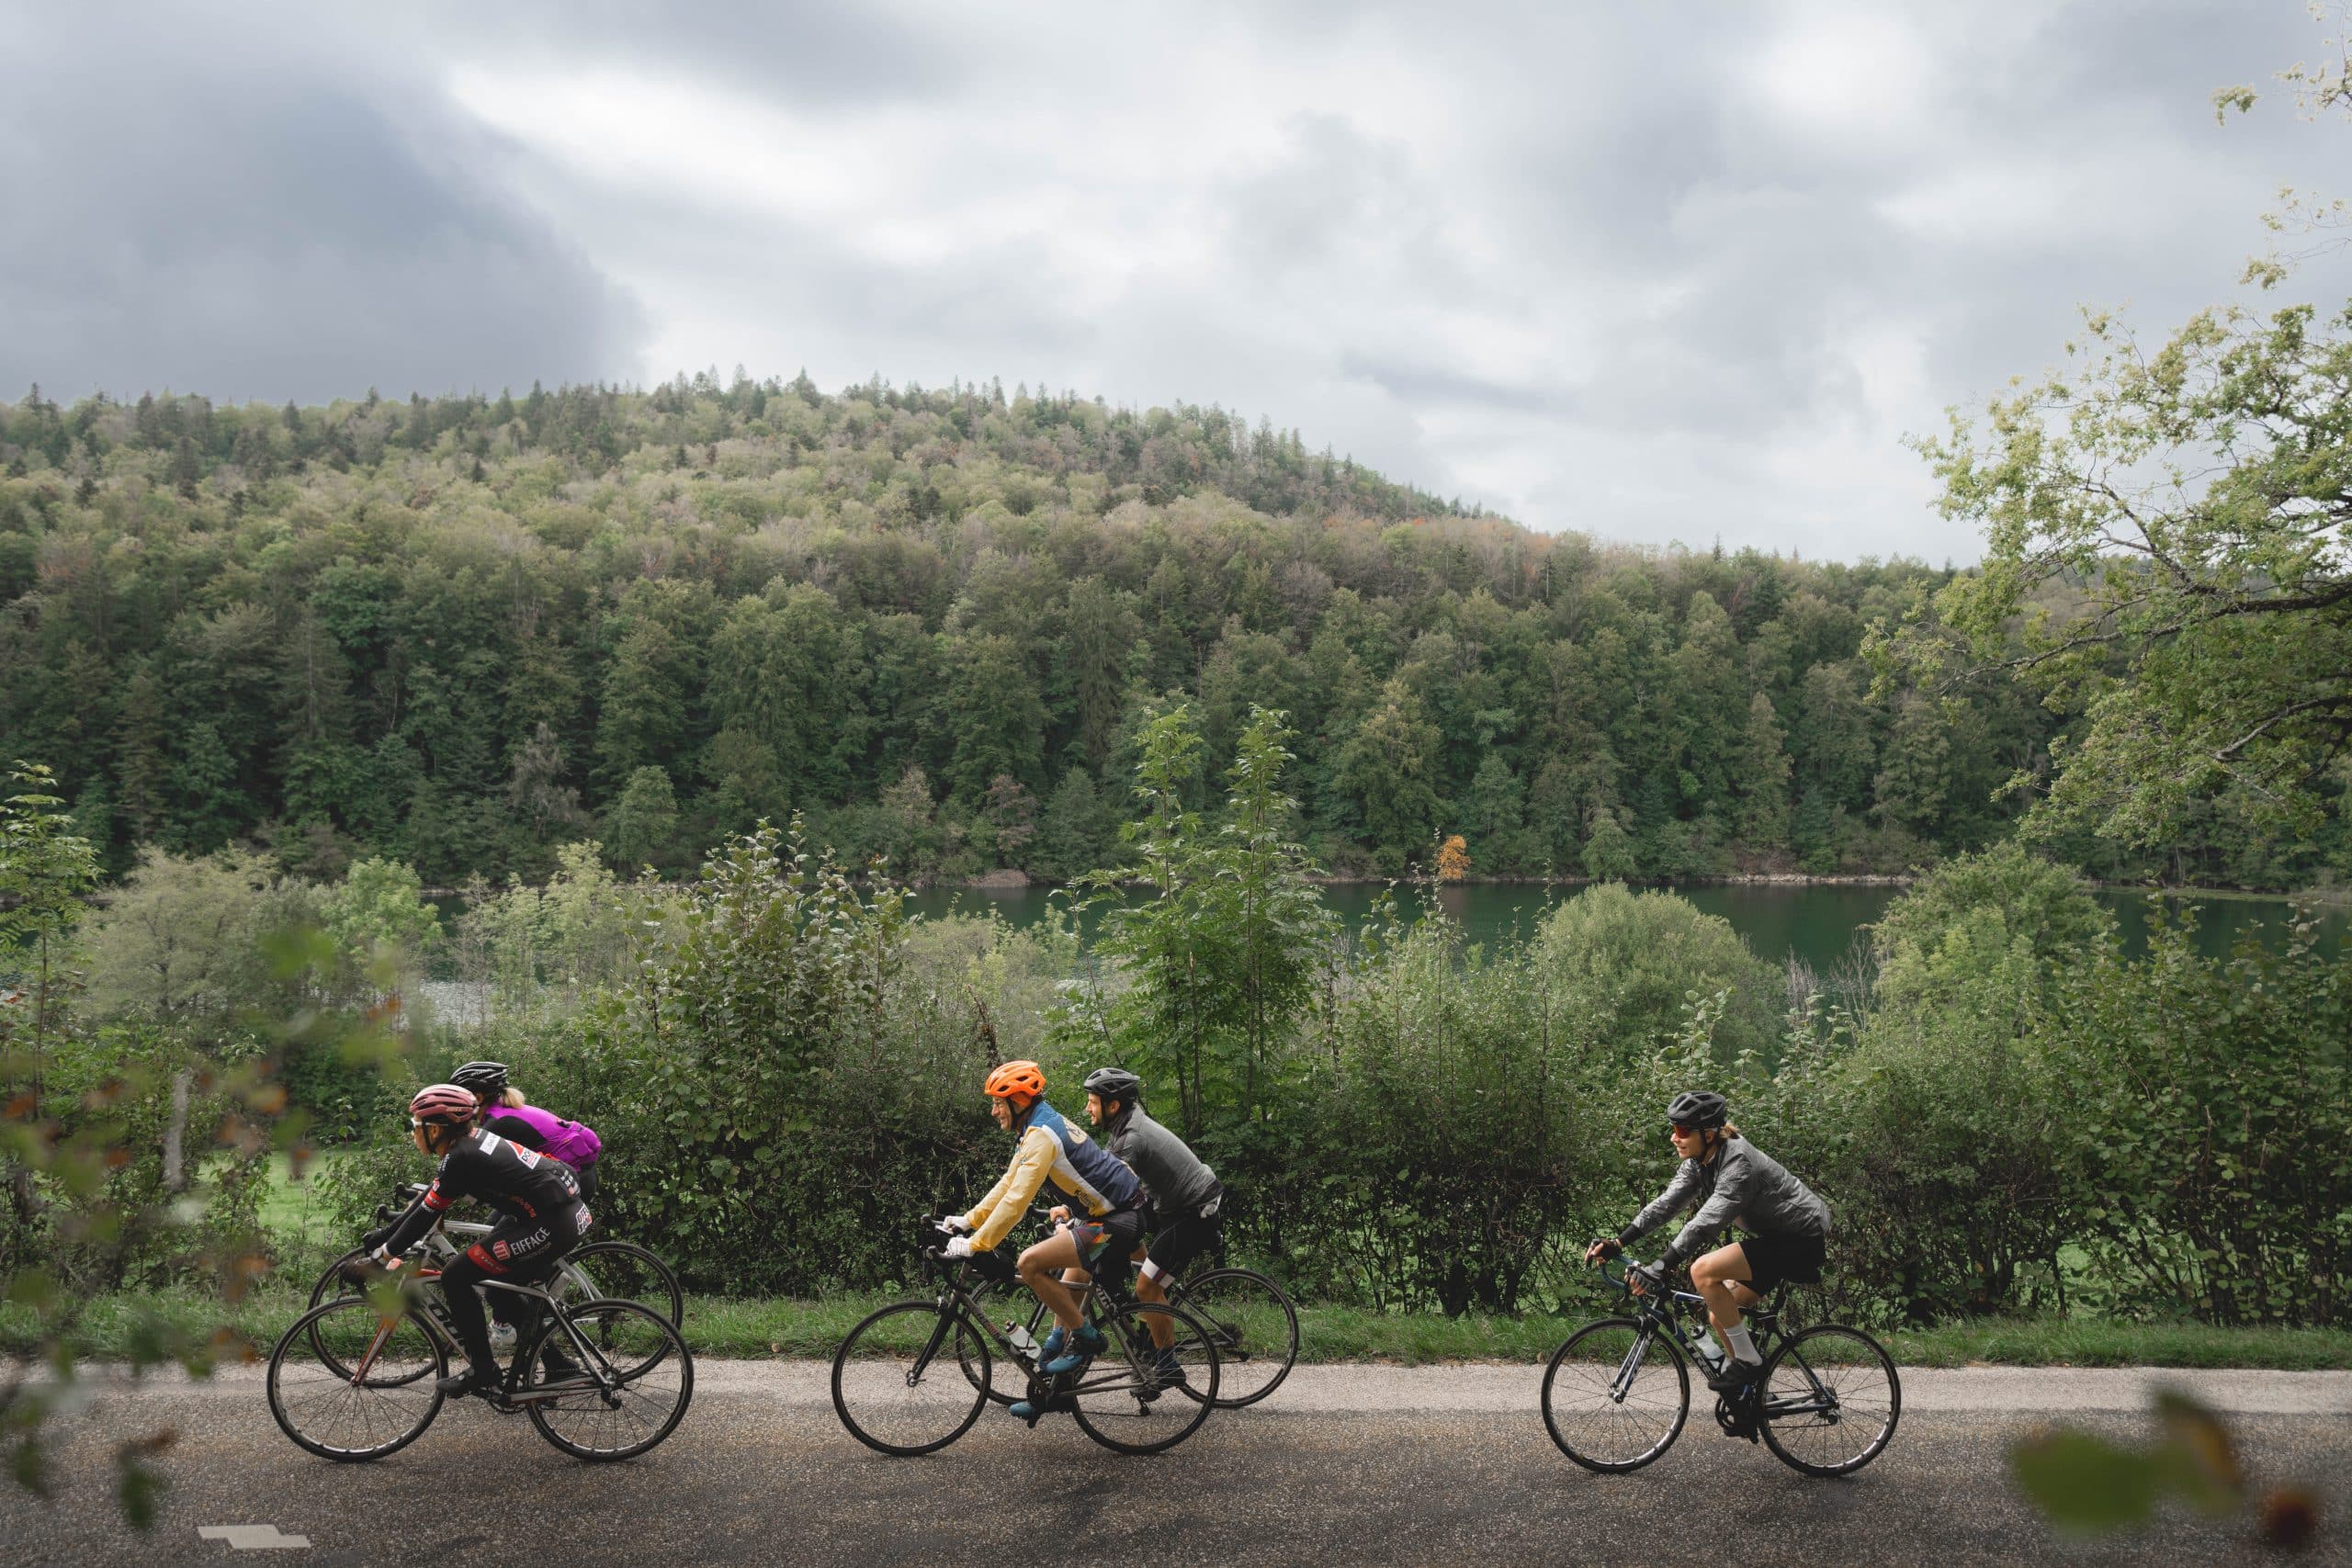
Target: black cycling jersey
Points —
{"points": [[515, 1130], [518, 1182]]}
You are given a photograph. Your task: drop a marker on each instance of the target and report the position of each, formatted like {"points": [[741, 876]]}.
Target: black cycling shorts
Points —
{"points": [[1115, 1235], [1773, 1260], [1175, 1243]]}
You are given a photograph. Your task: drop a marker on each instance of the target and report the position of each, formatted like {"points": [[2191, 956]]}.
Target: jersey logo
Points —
{"points": [[501, 1249], [529, 1157]]}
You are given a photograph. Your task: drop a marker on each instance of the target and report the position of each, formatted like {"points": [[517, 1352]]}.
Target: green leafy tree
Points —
{"points": [[1387, 767], [643, 822], [1763, 779], [1078, 831]]}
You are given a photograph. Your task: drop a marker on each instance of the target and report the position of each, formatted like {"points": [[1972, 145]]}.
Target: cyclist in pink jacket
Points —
{"points": [[505, 1112]]}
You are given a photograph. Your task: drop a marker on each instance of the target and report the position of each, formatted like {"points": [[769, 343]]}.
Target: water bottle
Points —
{"points": [[502, 1337], [1710, 1352], [1023, 1344]]}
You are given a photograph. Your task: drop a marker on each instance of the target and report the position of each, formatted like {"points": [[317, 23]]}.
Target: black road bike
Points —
{"points": [[1249, 1317], [354, 1378], [913, 1377], [1617, 1394]]}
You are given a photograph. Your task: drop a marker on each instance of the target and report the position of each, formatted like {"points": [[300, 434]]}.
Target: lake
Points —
{"points": [[1817, 923]]}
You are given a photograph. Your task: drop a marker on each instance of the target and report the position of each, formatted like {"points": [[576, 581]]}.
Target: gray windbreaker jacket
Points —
{"points": [[1179, 1183], [1743, 1185]]}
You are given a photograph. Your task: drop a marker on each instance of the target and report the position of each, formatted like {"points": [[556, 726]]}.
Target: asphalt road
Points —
{"points": [[1359, 1465]]}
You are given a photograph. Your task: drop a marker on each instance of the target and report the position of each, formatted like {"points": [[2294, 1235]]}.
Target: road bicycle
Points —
{"points": [[913, 1377], [1251, 1319], [591, 1272], [354, 1378], [1617, 1393]]}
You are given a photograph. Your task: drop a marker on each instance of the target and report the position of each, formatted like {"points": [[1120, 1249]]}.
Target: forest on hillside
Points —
{"points": [[462, 632]]}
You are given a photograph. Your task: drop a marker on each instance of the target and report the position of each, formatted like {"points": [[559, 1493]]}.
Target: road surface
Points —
{"points": [[1360, 1465]]}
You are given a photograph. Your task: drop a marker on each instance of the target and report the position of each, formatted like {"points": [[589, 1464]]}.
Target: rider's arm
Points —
{"points": [[1009, 1199], [1735, 1185], [412, 1225], [1676, 1196]]}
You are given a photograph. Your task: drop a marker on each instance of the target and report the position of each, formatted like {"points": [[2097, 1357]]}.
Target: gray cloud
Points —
{"points": [[261, 219], [1662, 274]]}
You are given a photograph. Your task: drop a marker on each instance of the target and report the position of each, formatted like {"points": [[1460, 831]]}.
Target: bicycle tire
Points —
{"points": [[1099, 1393], [1262, 1315], [332, 1283], [1605, 1345], [1849, 1367], [909, 1341], [652, 1373], [638, 1275], [303, 1402]]}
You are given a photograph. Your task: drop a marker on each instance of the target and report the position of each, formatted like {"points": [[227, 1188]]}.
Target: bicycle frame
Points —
{"points": [[1659, 1314], [592, 1363]]}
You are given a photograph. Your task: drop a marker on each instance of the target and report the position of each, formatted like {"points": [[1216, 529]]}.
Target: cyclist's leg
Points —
{"points": [[1039, 1266], [1172, 1251], [1716, 1277]]}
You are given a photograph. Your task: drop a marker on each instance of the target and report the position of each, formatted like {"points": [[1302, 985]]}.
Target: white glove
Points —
{"points": [[956, 1225], [958, 1246]]}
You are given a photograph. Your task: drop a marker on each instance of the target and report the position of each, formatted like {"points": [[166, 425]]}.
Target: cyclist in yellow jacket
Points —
{"points": [[1050, 1149]]}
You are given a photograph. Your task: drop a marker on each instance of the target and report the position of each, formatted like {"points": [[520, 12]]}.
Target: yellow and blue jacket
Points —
{"points": [[1051, 1149]]}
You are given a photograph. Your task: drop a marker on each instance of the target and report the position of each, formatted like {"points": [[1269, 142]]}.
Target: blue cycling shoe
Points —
{"points": [[1053, 1344], [1084, 1346]]}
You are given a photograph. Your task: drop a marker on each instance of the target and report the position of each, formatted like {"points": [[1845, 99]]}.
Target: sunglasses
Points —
{"points": [[1679, 1130]]}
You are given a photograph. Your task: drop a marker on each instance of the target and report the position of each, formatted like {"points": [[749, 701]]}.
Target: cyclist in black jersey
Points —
{"points": [[537, 1198]]}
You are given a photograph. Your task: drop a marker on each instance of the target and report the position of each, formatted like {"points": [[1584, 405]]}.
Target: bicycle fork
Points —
{"points": [[1622, 1384]]}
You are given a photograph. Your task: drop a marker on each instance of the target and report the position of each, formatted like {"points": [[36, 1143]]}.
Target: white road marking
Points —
{"points": [[252, 1538]]}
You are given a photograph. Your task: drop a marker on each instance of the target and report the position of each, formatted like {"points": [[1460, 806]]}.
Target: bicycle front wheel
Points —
{"points": [[1830, 1400], [620, 1270], [910, 1379], [1255, 1327], [1131, 1400], [1616, 1395], [348, 1384], [627, 1387]]}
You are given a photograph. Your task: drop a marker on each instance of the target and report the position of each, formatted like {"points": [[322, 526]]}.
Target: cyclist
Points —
{"points": [[1051, 1149], [1184, 1201], [505, 1112], [543, 1219], [1728, 1179]]}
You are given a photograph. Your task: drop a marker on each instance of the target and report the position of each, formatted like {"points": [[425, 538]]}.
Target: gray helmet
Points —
{"points": [[1115, 1083], [486, 1079], [1698, 1108]]}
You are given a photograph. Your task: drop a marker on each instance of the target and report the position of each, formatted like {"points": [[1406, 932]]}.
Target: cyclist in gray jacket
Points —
{"points": [[1728, 1181], [1183, 1199]]}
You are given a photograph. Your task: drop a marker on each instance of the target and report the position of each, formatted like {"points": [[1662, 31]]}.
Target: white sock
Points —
{"points": [[1742, 1345]]}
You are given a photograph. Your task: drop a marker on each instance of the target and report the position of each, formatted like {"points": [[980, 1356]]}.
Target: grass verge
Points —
{"points": [[112, 1325]]}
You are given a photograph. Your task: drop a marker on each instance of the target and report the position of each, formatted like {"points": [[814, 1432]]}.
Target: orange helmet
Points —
{"points": [[1017, 1081]]}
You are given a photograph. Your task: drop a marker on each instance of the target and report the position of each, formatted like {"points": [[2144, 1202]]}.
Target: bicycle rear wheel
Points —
{"points": [[1123, 1400], [633, 1381], [904, 1380], [1829, 1400], [619, 1270], [1616, 1395], [1255, 1329], [349, 1384]]}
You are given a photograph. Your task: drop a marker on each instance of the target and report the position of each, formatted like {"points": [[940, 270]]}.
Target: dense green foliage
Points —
{"points": [[460, 632], [2009, 1115]]}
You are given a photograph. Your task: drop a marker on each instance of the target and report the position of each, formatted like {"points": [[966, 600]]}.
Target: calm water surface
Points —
{"points": [[1817, 924]]}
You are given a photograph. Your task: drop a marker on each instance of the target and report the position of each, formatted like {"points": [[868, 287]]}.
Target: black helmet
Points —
{"points": [[1115, 1083], [486, 1079], [1698, 1108]]}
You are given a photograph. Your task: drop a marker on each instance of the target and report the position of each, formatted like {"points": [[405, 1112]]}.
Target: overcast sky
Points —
{"points": [[1655, 272]]}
